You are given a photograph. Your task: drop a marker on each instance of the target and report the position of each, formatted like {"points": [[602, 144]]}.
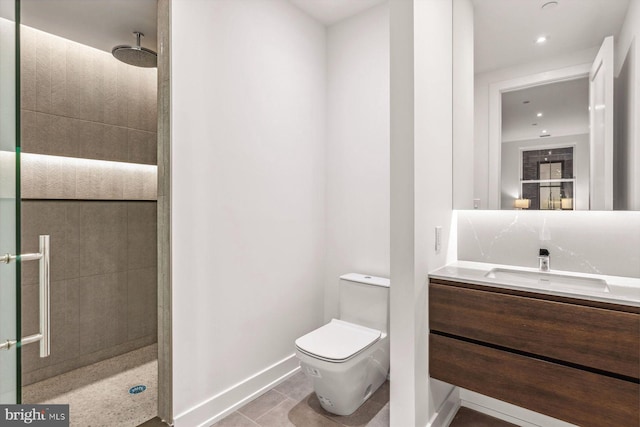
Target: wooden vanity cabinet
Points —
{"points": [[572, 359]]}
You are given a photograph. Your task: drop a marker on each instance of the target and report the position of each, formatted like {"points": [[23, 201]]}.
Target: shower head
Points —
{"points": [[136, 55]]}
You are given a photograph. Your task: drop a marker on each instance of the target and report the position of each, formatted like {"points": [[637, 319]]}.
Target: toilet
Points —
{"points": [[348, 358]]}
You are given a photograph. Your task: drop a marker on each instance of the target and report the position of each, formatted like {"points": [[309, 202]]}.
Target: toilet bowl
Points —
{"points": [[348, 358]]}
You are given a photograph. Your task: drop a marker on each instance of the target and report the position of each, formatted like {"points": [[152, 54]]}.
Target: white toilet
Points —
{"points": [[348, 358]]}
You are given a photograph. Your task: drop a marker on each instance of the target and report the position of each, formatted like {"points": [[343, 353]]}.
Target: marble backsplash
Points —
{"points": [[581, 241]]}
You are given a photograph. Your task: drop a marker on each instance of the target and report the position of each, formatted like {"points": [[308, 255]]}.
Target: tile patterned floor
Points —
{"points": [[294, 404], [98, 394]]}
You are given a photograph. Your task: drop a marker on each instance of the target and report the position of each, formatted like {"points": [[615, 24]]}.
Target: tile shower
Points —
{"points": [[80, 103]]}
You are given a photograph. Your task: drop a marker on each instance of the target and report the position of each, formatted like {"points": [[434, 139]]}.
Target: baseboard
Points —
{"points": [[508, 412], [222, 404], [447, 410]]}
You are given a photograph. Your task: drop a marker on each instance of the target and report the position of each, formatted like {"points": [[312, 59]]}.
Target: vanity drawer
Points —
{"points": [[580, 397], [597, 338]]}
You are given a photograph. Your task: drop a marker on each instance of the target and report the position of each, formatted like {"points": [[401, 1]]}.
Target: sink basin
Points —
{"points": [[547, 280]]}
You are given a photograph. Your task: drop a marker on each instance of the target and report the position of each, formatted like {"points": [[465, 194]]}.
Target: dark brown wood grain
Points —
{"points": [[466, 417], [598, 338], [532, 293], [580, 397]]}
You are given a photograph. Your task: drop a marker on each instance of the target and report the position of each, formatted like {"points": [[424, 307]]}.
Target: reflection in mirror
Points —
{"points": [[540, 81], [545, 146]]}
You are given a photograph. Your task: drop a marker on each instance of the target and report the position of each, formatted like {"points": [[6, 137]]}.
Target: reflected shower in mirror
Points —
{"points": [[536, 86]]}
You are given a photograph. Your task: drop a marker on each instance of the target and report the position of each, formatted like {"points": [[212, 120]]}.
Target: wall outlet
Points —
{"points": [[438, 239]]}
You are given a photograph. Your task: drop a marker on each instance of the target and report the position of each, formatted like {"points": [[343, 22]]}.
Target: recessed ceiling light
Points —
{"points": [[526, 102], [542, 39], [549, 5], [539, 114], [544, 131], [534, 124]]}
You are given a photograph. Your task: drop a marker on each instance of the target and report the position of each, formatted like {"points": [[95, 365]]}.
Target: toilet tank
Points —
{"points": [[364, 300]]}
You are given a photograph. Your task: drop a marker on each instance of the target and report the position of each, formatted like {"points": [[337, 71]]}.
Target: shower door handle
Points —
{"points": [[44, 336]]}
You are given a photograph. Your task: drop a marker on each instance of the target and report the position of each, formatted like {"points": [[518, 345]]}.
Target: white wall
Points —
{"points": [[421, 195], [511, 169], [584, 241], [483, 81], [357, 152], [628, 33], [627, 109], [248, 130], [623, 152]]}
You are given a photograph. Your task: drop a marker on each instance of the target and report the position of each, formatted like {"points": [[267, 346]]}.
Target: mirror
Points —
{"points": [[550, 89]]}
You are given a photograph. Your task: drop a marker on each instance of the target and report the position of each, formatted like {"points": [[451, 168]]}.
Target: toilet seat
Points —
{"points": [[337, 341]]}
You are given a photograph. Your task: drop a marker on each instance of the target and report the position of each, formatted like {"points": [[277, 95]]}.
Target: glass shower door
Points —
{"points": [[9, 206]]}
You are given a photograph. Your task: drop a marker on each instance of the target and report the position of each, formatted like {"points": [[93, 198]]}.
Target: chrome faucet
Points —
{"points": [[543, 260]]}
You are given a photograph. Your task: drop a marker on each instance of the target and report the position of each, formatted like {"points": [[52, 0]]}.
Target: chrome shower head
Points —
{"points": [[136, 55]]}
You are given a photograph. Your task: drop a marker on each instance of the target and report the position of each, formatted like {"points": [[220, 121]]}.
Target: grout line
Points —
{"points": [[240, 409], [270, 410], [243, 415], [89, 121], [280, 393]]}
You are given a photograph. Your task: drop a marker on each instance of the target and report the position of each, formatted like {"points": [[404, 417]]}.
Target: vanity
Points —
{"points": [[558, 343], [562, 344]]}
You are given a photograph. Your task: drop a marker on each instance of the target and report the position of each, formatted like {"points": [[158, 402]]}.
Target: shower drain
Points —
{"points": [[137, 389]]}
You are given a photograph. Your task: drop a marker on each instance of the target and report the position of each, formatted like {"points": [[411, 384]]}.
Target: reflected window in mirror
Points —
{"points": [[547, 179]]}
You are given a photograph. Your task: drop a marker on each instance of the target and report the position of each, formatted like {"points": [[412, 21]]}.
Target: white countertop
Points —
{"points": [[620, 290]]}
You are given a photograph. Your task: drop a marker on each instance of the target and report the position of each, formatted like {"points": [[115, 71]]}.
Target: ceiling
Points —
{"points": [[101, 24], [329, 12], [505, 30], [564, 105]]}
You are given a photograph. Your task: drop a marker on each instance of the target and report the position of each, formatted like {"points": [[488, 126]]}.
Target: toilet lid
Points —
{"points": [[338, 340]]}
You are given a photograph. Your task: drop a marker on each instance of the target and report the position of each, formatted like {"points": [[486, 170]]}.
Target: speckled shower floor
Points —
{"points": [[98, 394]]}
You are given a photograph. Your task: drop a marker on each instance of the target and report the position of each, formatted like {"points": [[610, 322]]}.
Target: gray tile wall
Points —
{"points": [[80, 102], [77, 101], [103, 281]]}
